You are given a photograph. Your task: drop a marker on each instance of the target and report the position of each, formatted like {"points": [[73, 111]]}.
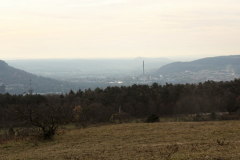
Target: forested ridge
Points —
{"points": [[138, 100]]}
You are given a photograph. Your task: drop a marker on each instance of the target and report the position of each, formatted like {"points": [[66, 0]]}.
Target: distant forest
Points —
{"points": [[139, 101]]}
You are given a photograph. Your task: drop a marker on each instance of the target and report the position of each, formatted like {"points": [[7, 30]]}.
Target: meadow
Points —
{"points": [[219, 140]]}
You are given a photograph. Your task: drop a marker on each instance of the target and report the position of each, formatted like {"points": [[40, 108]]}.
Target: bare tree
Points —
{"points": [[48, 115]]}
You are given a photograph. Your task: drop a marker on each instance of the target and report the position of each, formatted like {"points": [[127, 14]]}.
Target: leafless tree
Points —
{"points": [[48, 115]]}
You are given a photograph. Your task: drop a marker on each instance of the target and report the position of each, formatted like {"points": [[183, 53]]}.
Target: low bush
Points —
{"points": [[213, 116], [198, 118], [153, 118]]}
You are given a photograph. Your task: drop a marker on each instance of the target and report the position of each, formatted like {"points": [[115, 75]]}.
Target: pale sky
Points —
{"points": [[32, 29]]}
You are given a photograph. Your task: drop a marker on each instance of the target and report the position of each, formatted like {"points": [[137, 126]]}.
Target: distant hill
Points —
{"points": [[87, 66], [17, 81], [212, 63]]}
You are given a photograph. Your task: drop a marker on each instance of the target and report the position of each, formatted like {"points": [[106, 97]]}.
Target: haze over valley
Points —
{"points": [[67, 69], [63, 75]]}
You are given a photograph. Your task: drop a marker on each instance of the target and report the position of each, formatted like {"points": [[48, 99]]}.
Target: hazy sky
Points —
{"points": [[118, 28]]}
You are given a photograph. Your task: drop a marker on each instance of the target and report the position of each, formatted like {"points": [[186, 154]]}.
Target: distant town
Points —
{"points": [[102, 81], [51, 78]]}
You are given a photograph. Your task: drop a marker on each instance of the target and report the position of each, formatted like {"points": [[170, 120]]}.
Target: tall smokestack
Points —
{"points": [[143, 67]]}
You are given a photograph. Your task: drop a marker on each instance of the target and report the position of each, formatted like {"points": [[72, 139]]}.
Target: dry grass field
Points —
{"points": [[217, 140]]}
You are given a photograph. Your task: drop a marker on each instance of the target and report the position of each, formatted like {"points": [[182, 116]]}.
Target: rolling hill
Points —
{"points": [[212, 63]]}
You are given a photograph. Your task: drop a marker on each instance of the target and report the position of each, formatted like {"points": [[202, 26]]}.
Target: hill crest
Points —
{"points": [[211, 63], [17, 81]]}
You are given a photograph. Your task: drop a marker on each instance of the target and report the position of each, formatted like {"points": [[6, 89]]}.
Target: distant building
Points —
{"points": [[2, 87]]}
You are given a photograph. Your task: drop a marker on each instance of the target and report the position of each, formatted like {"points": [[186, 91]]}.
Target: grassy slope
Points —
{"points": [[173, 140]]}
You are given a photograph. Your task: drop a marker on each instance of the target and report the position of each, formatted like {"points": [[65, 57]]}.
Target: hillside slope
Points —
{"points": [[212, 63], [17, 81], [165, 140]]}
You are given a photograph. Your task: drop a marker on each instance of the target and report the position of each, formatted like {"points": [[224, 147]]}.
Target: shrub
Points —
{"points": [[183, 119], [11, 131], [213, 116], [153, 118], [198, 118]]}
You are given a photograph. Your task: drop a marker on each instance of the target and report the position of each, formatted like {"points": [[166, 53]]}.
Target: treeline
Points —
{"points": [[139, 101]]}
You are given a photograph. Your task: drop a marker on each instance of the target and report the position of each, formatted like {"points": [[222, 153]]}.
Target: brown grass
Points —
{"points": [[164, 140]]}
